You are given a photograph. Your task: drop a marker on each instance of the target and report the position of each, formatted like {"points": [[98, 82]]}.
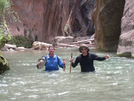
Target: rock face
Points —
{"points": [[83, 24], [126, 42], [107, 16], [45, 19], [4, 65]]}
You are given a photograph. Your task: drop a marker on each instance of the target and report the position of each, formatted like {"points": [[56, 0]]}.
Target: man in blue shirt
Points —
{"points": [[52, 61]]}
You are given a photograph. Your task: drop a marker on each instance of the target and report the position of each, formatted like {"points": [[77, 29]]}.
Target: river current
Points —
{"points": [[113, 80]]}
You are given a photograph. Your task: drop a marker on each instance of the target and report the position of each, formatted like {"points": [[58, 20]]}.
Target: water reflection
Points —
{"points": [[113, 80]]}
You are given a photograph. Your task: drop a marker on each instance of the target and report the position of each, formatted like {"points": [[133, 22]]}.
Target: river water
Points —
{"points": [[113, 80]]}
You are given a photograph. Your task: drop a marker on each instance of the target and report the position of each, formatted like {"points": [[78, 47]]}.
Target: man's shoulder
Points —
{"points": [[55, 56], [92, 55], [46, 57], [79, 56]]}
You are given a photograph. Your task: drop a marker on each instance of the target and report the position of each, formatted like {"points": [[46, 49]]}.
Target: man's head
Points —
{"points": [[51, 50], [84, 49], [51, 47]]}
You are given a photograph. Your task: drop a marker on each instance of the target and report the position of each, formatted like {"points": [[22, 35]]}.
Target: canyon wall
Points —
{"points": [[126, 41], [112, 21], [45, 19], [107, 16]]}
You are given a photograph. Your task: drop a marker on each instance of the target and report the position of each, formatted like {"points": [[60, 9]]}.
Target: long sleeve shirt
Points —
{"points": [[86, 62], [52, 63]]}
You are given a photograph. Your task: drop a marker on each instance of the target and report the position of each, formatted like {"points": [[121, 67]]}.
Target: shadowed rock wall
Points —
{"points": [[107, 16], [83, 24]]}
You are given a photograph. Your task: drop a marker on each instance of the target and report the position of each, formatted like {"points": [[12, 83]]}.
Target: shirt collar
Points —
{"points": [[52, 57]]}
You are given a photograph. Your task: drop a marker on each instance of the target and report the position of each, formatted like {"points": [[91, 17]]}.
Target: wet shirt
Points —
{"points": [[86, 62], [52, 63]]}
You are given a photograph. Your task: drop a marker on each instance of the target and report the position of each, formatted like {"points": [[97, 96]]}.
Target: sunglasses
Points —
{"points": [[83, 49], [50, 49]]}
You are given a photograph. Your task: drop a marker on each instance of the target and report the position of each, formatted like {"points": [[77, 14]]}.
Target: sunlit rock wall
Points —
{"points": [[45, 19], [126, 42]]}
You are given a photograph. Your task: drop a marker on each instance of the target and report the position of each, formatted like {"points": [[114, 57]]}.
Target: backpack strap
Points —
{"points": [[46, 59], [58, 59]]}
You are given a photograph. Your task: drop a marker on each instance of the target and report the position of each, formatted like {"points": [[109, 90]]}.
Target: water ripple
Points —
{"points": [[113, 80]]}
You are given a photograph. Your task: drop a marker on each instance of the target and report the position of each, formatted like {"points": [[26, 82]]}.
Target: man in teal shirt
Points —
{"points": [[52, 61]]}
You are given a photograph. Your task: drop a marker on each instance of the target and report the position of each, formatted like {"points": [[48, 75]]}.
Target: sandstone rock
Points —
{"points": [[45, 19], [40, 45], [63, 39], [126, 42], [81, 38], [66, 45], [107, 16], [4, 65], [20, 49], [83, 20], [9, 47]]}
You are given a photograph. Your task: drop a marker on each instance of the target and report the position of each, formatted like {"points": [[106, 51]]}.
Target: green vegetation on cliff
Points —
{"points": [[4, 31], [5, 10], [22, 41]]}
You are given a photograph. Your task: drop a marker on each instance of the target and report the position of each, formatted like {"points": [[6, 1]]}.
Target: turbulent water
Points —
{"points": [[113, 80]]}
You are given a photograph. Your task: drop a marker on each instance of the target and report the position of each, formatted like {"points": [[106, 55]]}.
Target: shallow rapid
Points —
{"points": [[113, 80]]}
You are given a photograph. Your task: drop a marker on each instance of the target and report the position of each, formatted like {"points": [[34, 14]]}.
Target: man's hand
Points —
{"points": [[71, 60], [38, 63], [107, 56], [64, 62]]}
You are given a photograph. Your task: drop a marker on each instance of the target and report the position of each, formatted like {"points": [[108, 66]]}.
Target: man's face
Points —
{"points": [[84, 51], [51, 50]]}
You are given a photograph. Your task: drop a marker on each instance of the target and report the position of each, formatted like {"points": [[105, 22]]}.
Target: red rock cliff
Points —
{"points": [[42, 18], [47, 18]]}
